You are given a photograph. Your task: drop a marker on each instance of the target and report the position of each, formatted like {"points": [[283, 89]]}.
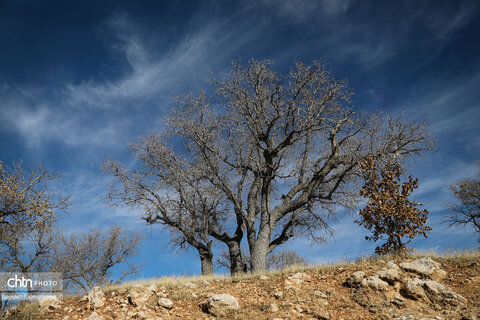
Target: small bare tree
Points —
{"points": [[283, 259], [27, 217], [224, 260], [466, 209], [89, 259], [389, 213]]}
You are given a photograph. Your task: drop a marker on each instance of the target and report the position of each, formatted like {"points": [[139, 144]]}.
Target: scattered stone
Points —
{"points": [[207, 294], [295, 279], [278, 294], [423, 267], [96, 297], [355, 279], [140, 315], [398, 300], [376, 284], [299, 276], [298, 308], [219, 304], [190, 285], [206, 283], [292, 284], [413, 289], [263, 277], [440, 273], [437, 292], [142, 296], [389, 275], [274, 307], [165, 303], [322, 315], [392, 265], [94, 316], [153, 288], [319, 294], [50, 303]]}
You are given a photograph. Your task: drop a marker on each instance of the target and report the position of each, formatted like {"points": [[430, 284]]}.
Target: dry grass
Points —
{"points": [[177, 281], [25, 311], [257, 293]]}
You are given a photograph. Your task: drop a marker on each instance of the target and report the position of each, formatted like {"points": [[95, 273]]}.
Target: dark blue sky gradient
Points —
{"points": [[79, 80]]}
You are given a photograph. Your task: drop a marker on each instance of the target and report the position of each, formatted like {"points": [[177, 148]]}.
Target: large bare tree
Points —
{"points": [[466, 209], [283, 150]]}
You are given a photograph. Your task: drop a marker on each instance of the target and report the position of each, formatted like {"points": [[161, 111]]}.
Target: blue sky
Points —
{"points": [[81, 79]]}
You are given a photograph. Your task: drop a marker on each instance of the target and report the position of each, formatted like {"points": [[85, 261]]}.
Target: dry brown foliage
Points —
{"points": [[389, 213]]}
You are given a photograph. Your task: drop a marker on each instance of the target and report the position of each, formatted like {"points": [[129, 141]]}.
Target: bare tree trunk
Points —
{"points": [[259, 251], [235, 255], [206, 258]]}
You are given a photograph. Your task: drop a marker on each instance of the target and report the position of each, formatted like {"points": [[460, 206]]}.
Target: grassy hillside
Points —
{"points": [[315, 292]]}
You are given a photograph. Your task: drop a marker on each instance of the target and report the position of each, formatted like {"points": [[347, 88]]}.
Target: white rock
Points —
{"points": [[142, 296], [190, 285], [392, 265], [299, 276], [413, 288], [355, 279], [263, 277], [389, 275], [220, 304], [424, 266], [94, 316], [153, 288], [50, 303], [96, 297], [437, 292], [274, 307], [319, 294], [165, 303], [376, 284]]}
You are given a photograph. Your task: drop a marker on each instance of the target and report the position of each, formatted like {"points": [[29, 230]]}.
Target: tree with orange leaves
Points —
{"points": [[389, 214]]}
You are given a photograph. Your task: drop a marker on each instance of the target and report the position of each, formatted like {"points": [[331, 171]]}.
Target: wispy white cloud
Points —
{"points": [[449, 106], [437, 183], [101, 112], [445, 23], [298, 11]]}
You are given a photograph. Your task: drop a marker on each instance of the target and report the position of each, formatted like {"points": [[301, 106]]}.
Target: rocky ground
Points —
{"points": [[416, 288]]}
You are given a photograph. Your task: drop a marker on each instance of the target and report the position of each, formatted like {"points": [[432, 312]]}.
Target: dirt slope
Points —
{"points": [[311, 293]]}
